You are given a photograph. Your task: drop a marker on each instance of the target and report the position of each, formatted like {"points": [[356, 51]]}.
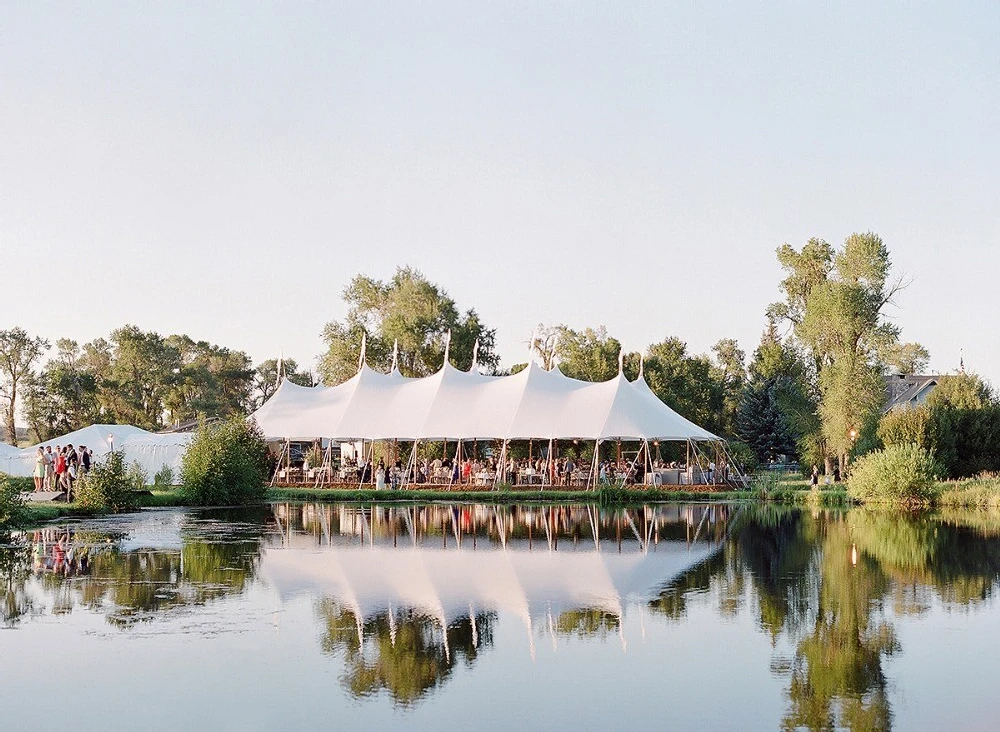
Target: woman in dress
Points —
{"points": [[380, 476], [40, 462]]}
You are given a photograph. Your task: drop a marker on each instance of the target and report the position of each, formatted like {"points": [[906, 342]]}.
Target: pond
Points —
{"points": [[702, 616]]}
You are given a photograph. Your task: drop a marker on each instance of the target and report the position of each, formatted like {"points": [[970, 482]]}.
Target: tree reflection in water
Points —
{"points": [[823, 580], [818, 583], [15, 569], [403, 653], [71, 567]]}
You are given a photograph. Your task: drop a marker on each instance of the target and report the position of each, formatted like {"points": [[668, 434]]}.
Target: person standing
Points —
{"points": [[40, 462], [60, 468], [50, 468], [814, 482], [380, 476]]}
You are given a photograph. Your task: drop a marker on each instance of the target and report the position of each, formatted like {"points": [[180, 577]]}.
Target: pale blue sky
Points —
{"points": [[223, 170]]}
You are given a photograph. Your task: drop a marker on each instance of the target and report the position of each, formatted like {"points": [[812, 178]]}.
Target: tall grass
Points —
{"points": [[983, 491]]}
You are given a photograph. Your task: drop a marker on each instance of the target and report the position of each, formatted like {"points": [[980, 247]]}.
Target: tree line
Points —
{"points": [[813, 389]]}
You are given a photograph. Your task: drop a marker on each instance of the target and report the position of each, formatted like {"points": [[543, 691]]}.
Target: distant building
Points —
{"points": [[905, 391]]}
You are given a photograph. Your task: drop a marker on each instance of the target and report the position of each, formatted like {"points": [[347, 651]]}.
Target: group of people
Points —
{"points": [[59, 469], [565, 471]]}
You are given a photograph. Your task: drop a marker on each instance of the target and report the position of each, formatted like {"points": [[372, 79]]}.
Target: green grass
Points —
{"points": [[981, 492]]}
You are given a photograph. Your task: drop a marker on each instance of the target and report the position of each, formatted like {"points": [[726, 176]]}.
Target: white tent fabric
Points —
{"points": [[446, 583], [150, 450], [453, 404]]}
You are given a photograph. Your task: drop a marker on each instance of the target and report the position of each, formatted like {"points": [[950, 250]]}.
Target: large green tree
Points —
{"points": [[411, 311], [64, 396], [207, 380], [835, 301], [774, 407], [19, 352], [690, 385], [589, 354]]}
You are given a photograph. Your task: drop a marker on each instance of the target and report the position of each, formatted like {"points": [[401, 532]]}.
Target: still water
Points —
{"points": [[690, 617]]}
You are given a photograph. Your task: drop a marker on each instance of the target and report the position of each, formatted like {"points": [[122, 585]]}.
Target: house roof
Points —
{"points": [[905, 389]]}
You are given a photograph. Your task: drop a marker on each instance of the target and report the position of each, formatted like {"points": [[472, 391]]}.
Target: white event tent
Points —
{"points": [[152, 451], [533, 404], [463, 405]]}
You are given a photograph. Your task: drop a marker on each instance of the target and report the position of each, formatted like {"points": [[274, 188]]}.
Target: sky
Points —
{"points": [[224, 169]]}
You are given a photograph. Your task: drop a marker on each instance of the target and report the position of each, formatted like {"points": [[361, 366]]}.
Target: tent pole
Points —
{"points": [[277, 466], [687, 460], [549, 467], [501, 465], [595, 463]]}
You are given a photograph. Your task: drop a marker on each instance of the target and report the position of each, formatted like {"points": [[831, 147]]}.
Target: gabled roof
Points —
{"points": [[906, 389]]}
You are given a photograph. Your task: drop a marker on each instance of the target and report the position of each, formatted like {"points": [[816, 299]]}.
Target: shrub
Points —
{"points": [[744, 456], [898, 474], [226, 464], [764, 484], [138, 476], [109, 486], [12, 509], [164, 477], [907, 427]]}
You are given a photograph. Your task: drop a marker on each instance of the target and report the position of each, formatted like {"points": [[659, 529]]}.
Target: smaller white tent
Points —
{"points": [[152, 451], [10, 456]]}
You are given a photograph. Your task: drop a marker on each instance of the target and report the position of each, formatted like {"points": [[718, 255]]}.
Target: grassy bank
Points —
{"points": [[981, 492]]}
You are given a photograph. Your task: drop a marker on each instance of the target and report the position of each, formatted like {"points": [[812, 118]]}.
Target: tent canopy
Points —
{"points": [[453, 404], [152, 451]]}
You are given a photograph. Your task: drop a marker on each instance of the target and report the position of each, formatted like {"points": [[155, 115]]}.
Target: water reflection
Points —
{"points": [[408, 592], [153, 566], [403, 653], [403, 597]]}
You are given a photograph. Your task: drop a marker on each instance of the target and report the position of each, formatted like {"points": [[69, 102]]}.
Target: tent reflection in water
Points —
{"points": [[468, 406], [401, 604]]}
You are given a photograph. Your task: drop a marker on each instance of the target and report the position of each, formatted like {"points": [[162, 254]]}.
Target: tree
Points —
{"points": [[408, 310], [18, 354], [589, 354], [731, 373], [64, 396], [965, 425], [687, 384], [906, 358], [141, 371], [266, 379], [764, 418], [209, 380], [835, 301]]}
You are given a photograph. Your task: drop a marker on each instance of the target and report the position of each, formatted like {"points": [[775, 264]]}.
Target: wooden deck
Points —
{"points": [[44, 496], [466, 487]]}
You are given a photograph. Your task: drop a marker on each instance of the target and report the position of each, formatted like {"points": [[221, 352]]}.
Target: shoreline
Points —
{"points": [[41, 513], [982, 495]]}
